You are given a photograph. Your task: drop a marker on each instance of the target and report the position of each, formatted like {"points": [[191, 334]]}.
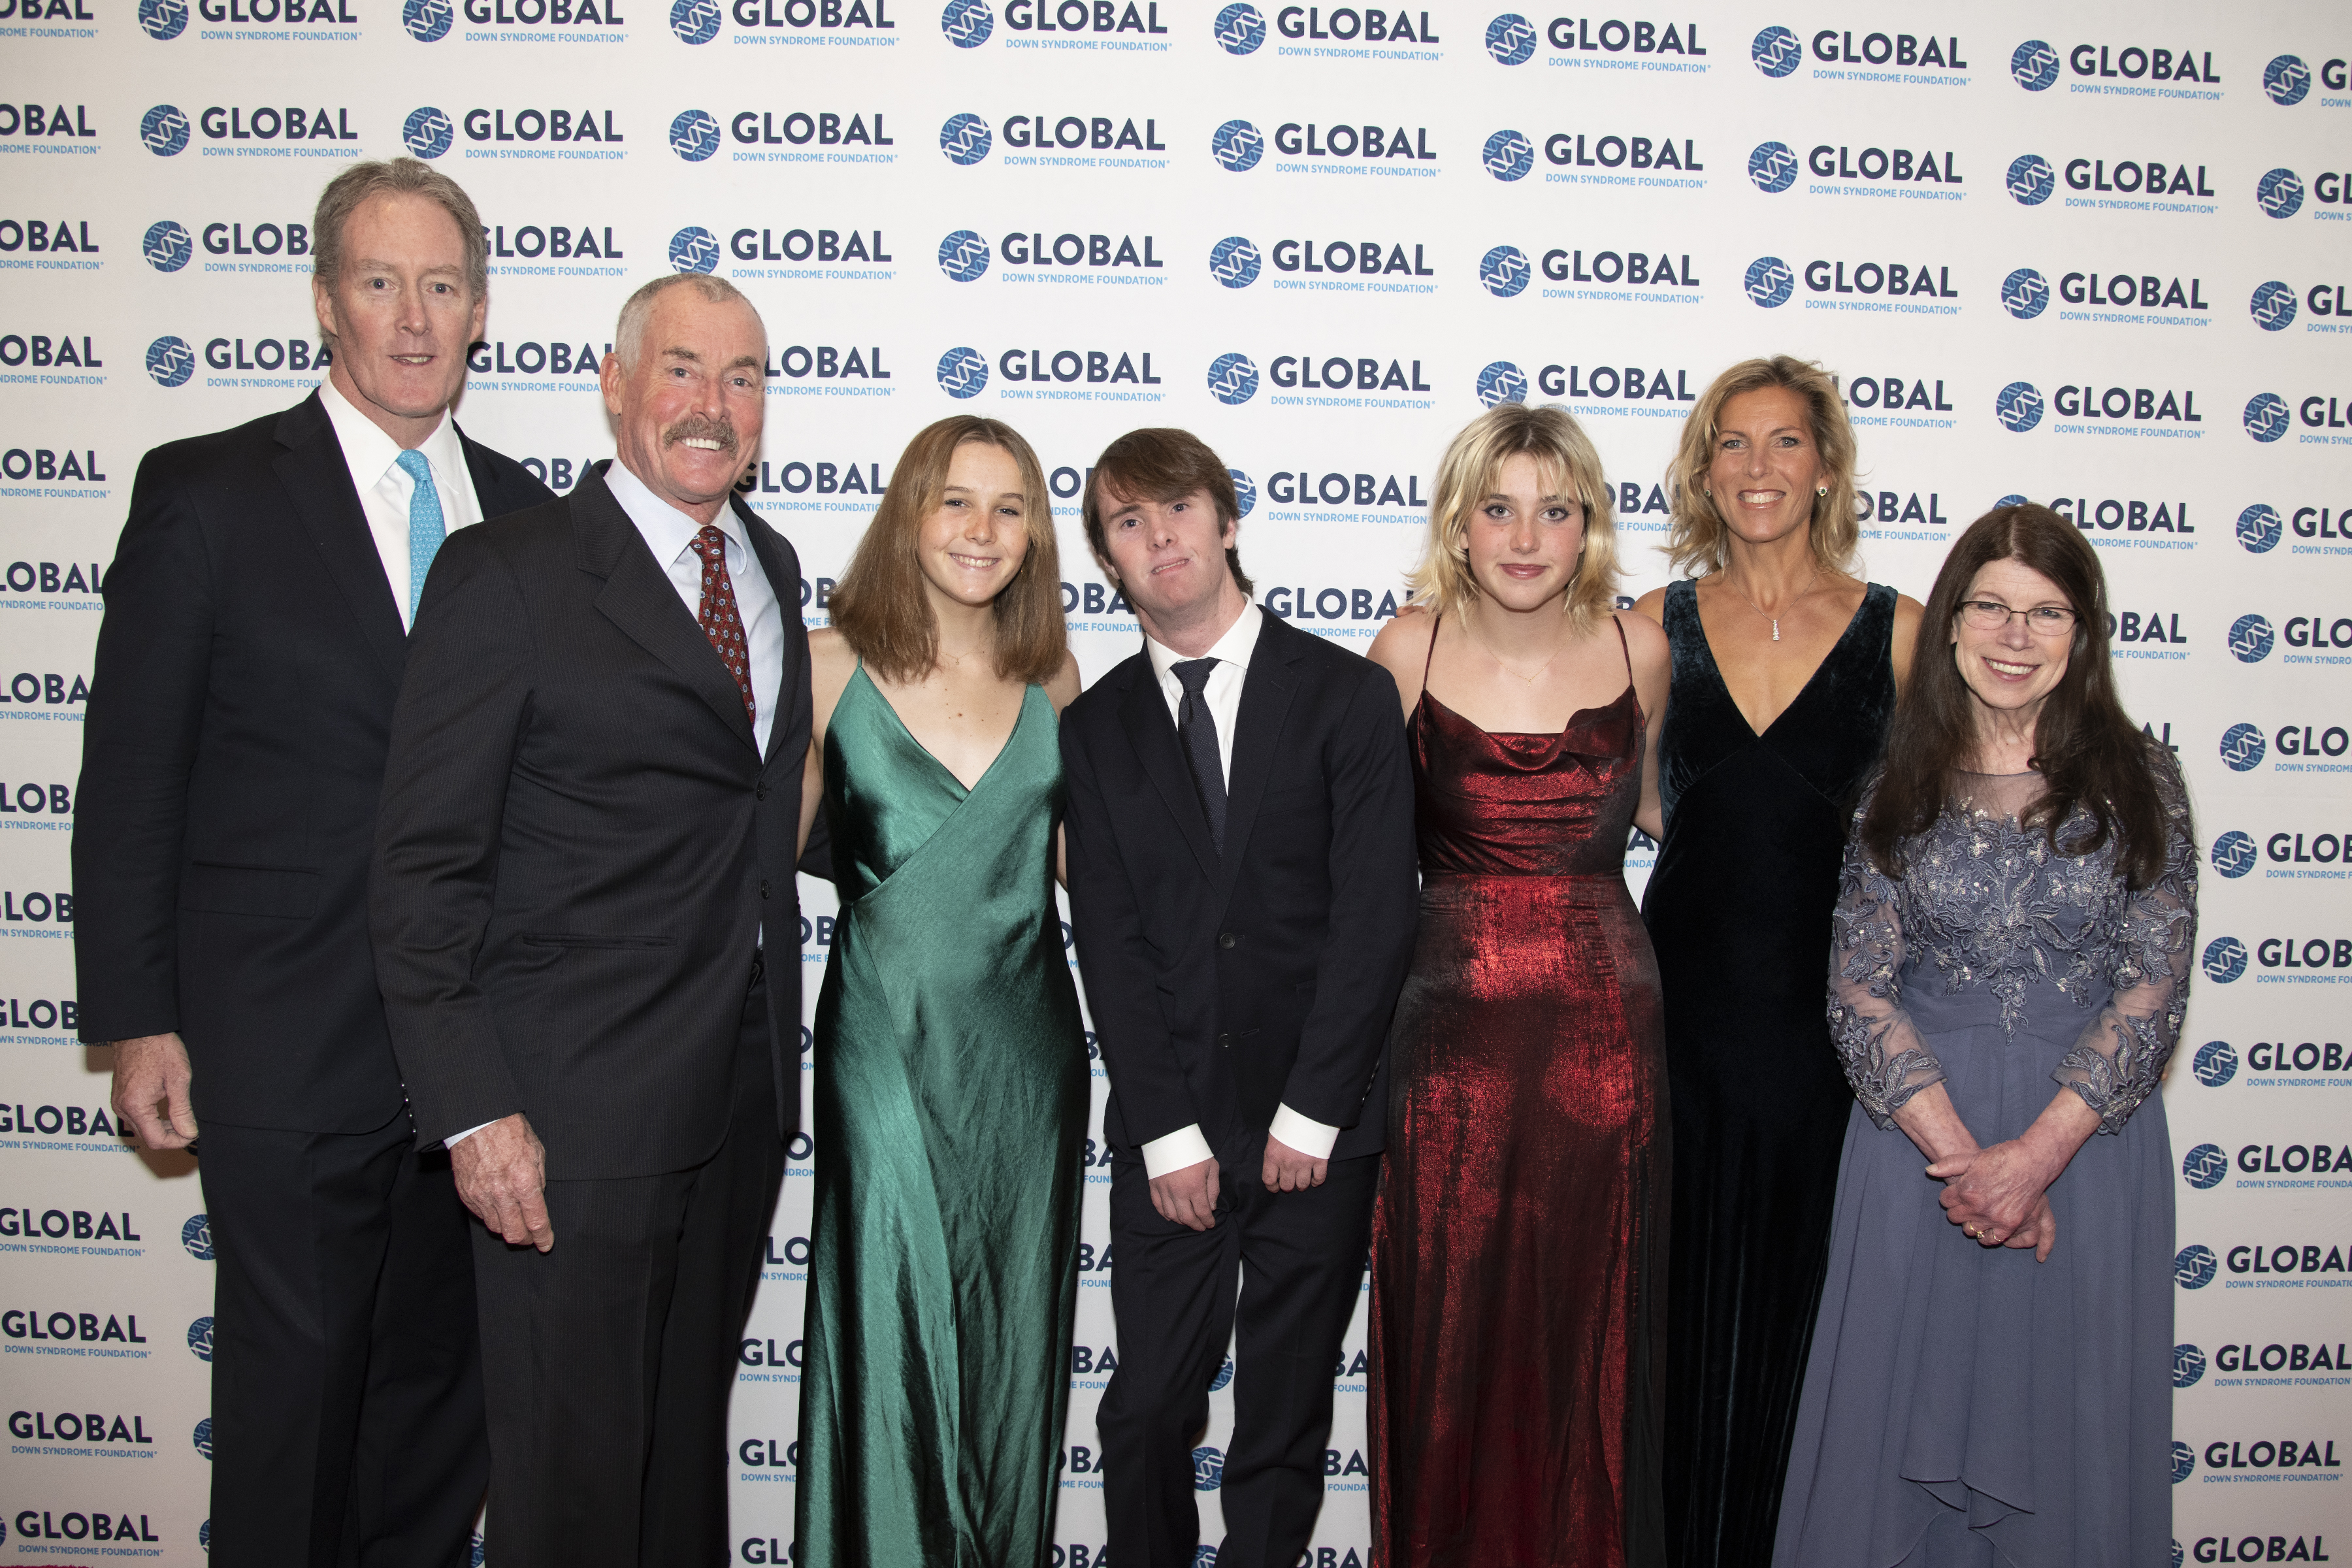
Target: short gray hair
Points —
{"points": [[400, 176], [629, 336]]}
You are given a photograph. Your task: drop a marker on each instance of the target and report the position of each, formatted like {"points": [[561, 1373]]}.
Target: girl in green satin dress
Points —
{"points": [[952, 1084]]}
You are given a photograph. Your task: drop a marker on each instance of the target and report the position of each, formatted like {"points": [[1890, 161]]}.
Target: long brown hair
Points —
{"points": [[879, 606], [1698, 538], [1159, 463], [2085, 748]]}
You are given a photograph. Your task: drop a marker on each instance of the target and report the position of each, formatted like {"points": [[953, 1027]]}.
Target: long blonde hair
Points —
{"points": [[1468, 475], [1698, 538]]}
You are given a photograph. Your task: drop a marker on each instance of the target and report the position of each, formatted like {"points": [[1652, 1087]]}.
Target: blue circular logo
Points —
{"points": [[1224, 1375], [1770, 282], [965, 138], [2272, 306], [2279, 193], [963, 256], [164, 20], [2266, 416], [167, 247], [205, 1536], [2018, 406], [1233, 380], [2204, 1166], [1208, 1470], [694, 249], [1505, 271], [2188, 1366], [204, 1435], [2250, 640], [1772, 166], [196, 1236], [1237, 146], [2025, 293], [427, 133], [2241, 752], [1507, 156], [171, 361], [428, 21], [2224, 960], [476, 1556], [2216, 1063], [199, 1339], [2233, 852], [693, 135], [2260, 528], [2286, 79], [2193, 1266], [1234, 261], [967, 23], [2030, 179], [2010, 500], [2184, 1461], [2033, 66], [1502, 382], [1776, 52], [1206, 1557], [694, 21], [163, 130], [1240, 29], [962, 372], [1510, 39]]}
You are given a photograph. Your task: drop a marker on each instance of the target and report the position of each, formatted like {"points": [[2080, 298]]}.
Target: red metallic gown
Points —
{"points": [[1519, 1244]]}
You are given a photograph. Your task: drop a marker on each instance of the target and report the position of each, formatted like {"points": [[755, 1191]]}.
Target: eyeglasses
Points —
{"points": [[1991, 615]]}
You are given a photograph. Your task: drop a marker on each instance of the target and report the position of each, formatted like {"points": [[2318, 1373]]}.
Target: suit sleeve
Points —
{"points": [[139, 736], [1375, 901], [463, 708], [1122, 984]]}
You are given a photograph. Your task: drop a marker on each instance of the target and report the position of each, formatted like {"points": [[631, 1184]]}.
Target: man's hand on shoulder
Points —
{"points": [[151, 1089], [501, 1174], [1189, 1196]]}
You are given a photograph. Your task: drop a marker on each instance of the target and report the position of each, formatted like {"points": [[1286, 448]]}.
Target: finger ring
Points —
{"points": [[1970, 1232]]}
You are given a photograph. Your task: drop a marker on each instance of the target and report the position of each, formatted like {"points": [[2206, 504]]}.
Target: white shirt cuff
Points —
{"points": [[1312, 1138], [1183, 1147], [455, 1139]]}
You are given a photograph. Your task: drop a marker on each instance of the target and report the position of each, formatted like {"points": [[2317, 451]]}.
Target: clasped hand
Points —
{"points": [[2000, 1196]]}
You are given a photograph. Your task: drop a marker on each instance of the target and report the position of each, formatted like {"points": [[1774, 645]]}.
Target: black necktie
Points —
{"points": [[1198, 728]]}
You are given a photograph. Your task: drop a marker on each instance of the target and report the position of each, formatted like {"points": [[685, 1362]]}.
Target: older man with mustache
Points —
{"points": [[590, 818]]}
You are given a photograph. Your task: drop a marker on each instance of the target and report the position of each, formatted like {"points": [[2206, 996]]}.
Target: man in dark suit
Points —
{"points": [[256, 628], [1242, 884], [589, 821]]}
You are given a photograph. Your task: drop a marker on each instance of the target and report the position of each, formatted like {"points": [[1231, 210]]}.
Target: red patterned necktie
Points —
{"points": [[720, 623]]}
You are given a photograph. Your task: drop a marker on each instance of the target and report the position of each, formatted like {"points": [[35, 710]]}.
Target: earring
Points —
{"points": [[1820, 489], [1709, 493]]}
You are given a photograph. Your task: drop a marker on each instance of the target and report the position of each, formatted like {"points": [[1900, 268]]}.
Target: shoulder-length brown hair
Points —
{"points": [[1468, 475], [2086, 748], [879, 605], [1698, 538]]}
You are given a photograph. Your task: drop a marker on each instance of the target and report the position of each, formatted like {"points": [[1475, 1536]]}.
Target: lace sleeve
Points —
{"points": [[2117, 1060], [1885, 1060]]}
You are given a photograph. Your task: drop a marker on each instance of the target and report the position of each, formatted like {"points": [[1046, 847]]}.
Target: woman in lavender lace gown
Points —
{"points": [[1989, 1379]]}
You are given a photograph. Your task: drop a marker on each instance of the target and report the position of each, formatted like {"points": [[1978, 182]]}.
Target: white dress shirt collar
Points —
{"points": [[667, 530], [1234, 647], [370, 454]]}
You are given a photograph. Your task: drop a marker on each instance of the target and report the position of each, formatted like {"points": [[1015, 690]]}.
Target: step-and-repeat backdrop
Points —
{"points": [[2093, 255]]}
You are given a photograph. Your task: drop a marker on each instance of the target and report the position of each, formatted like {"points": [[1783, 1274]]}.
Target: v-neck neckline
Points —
{"points": [[965, 791], [1715, 665]]}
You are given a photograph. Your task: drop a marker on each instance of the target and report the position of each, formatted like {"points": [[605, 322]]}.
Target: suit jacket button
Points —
{"points": [[1225, 1042], [764, 887], [759, 790], [1225, 939]]}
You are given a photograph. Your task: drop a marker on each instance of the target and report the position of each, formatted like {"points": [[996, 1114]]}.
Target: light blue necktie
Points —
{"points": [[425, 529]]}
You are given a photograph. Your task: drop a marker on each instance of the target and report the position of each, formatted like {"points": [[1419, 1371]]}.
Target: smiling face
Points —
{"points": [[402, 313], [1526, 535], [1170, 559], [972, 544], [2013, 669], [687, 414], [1765, 468]]}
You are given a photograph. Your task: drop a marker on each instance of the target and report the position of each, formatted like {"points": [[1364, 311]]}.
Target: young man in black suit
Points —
{"points": [[590, 821], [257, 625], [1242, 883]]}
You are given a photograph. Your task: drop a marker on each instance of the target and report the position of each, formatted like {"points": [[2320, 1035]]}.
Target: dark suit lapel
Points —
{"points": [[1266, 692], [786, 587], [1152, 733], [639, 598], [489, 495], [319, 481]]}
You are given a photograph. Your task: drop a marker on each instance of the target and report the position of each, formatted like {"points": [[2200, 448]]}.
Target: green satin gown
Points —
{"points": [[950, 1111]]}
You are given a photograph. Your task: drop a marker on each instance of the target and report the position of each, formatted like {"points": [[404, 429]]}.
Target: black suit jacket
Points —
{"points": [[1225, 986], [232, 757], [579, 845]]}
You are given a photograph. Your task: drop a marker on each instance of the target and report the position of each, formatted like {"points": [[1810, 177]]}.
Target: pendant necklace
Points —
{"points": [[1775, 619]]}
